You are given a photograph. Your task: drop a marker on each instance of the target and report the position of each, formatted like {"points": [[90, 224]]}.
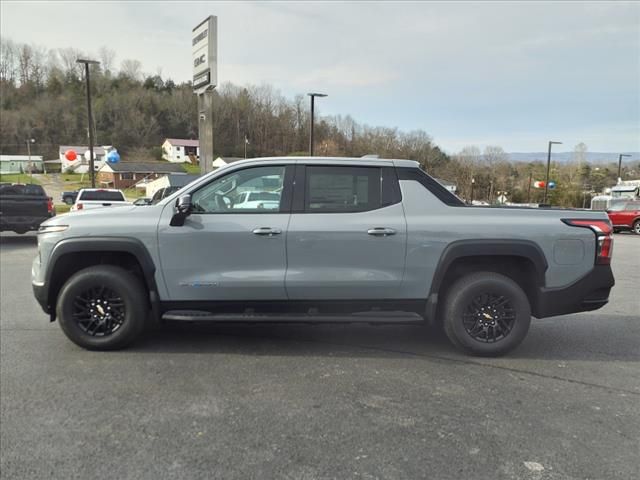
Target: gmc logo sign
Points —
{"points": [[200, 60]]}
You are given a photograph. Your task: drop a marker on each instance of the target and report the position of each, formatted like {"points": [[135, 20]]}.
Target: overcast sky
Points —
{"points": [[509, 74]]}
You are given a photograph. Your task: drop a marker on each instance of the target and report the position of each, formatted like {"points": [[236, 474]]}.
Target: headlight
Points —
{"points": [[52, 228]]}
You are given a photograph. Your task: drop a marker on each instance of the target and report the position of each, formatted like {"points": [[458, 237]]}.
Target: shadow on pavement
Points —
{"points": [[15, 241], [564, 339]]}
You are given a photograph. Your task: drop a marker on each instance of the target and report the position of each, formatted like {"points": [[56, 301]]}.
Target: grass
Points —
{"points": [[191, 169], [18, 178], [62, 208]]}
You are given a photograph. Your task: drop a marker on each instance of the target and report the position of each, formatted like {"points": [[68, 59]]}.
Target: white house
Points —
{"points": [[81, 163], [21, 164], [222, 161], [180, 150]]}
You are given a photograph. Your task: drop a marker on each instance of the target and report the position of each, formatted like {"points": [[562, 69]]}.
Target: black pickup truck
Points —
{"points": [[23, 207]]}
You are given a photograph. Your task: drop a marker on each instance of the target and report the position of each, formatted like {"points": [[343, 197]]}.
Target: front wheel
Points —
{"points": [[636, 227], [102, 308], [486, 314]]}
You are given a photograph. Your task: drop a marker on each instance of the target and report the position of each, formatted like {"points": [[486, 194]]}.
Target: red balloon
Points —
{"points": [[70, 155]]}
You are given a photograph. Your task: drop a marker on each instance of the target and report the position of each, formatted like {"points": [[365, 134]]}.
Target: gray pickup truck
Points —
{"points": [[335, 240]]}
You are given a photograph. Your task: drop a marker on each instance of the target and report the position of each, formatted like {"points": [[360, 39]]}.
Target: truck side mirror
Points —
{"points": [[181, 211]]}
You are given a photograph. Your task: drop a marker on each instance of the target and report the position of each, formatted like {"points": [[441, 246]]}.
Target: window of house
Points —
{"points": [[342, 189], [126, 176]]}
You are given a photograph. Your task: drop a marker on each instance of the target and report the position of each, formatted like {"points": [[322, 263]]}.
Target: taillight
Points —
{"points": [[50, 205], [79, 206], [604, 237]]}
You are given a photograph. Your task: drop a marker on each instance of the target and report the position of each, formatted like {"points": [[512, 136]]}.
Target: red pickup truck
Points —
{"points": [[625, 216]]}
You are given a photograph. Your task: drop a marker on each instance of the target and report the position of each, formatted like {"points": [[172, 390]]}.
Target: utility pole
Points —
{"points": [[29, 142], [546, 183], [620, 164], [529, 189], [86, 75], [313, 97]]}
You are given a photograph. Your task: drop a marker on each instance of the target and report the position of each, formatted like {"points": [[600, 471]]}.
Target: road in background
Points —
{"points": [[306, 402]]}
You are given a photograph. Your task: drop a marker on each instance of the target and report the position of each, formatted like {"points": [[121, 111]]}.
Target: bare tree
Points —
{"points": [[131, 69], [8, 69], [107, 58]]}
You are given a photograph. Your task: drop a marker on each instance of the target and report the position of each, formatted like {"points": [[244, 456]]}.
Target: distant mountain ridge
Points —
{"points": [[594, 157]]}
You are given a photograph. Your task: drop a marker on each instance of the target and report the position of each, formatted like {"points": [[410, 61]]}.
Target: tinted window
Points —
{"points": [[35, 190], [342, 189], [102, 196], [252, 190]]}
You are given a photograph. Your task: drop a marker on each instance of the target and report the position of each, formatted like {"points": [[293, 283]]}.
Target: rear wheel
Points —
{"points": [[102, 308], [636, 227], [486, 314], [68, 200]]}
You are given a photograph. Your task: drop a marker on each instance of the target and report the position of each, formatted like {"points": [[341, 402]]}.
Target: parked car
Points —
{"points": [[253, 200], [69, 197], [24, 207], [164, 192], [352, 240], [143, 201], [625, 216], [89, 198]]}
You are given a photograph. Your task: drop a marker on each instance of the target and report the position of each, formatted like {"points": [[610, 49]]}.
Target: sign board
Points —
{"points": [[204, 44]]}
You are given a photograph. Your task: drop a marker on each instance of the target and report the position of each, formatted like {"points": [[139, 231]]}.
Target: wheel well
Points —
{"points": [[73, 262], [519, 269]]}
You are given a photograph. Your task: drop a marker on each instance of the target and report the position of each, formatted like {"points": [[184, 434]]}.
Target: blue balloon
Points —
{"points": [[113, 156], [552, 185]]}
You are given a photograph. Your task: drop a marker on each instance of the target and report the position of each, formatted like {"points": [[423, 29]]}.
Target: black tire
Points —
{"points": [[486, 314], [68, 200], [636, 227], [103, 286]]}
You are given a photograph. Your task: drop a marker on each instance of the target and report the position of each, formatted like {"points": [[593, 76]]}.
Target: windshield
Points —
{"points": [[264, 196], [102, 196]]}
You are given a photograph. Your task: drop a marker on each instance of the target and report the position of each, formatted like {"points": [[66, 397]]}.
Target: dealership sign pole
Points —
{"points": [[204, 42]]}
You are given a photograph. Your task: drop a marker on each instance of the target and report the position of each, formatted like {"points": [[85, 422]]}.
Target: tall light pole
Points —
{"points": [[546, 183], [620, 163], [313, 97], [86, 76], [29, 141], [473, 184]]}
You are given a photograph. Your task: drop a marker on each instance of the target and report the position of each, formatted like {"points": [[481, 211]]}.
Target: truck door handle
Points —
{"points": [[381, 231], [267, 231]]}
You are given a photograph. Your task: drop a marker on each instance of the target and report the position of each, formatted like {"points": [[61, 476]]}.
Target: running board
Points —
{"points": [[360, 317]]}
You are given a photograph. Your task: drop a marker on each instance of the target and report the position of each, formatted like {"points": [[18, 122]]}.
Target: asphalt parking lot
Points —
{"points": [[308, 402]]}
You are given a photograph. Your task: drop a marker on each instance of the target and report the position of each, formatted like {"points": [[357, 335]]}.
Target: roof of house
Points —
{"points": [[230, 159], [146, 167], [20, 158], [81, 149], [183, 142]]}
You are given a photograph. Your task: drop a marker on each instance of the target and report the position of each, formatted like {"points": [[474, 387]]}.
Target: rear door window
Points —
{"points": [[337, 189]]}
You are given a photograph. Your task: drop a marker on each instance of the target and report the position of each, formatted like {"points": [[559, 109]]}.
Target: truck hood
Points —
{"points": [[115, 216]]}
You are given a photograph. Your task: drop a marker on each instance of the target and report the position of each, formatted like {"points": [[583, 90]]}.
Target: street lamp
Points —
{"points": [[86, 75], [29, 141], [313, 97], [620, 163], [546, 183], [473, 184]]}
